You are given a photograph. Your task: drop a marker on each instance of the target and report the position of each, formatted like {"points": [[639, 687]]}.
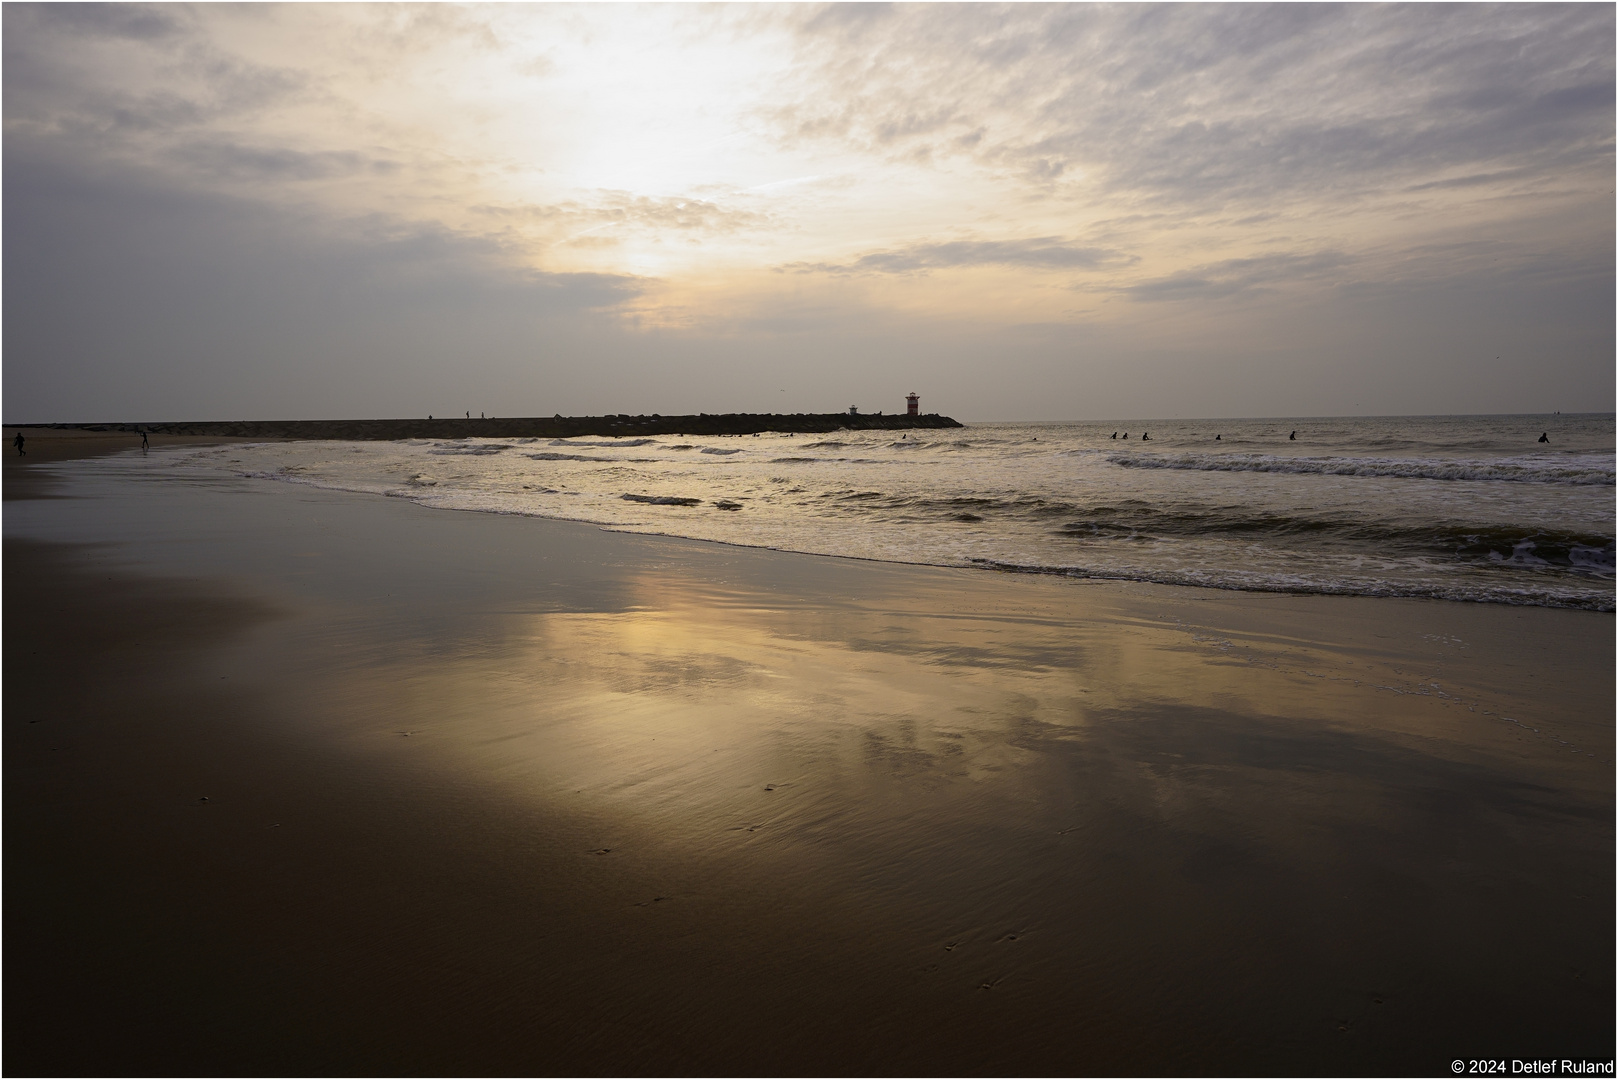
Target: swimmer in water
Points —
{"points": [[1217, 438], [1115, 434], [1146, 436], [1126, 434], [1294, 435], [1544, 437]]}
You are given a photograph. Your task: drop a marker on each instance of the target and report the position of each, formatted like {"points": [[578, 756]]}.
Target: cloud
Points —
{"points": [[1231, 276], [664, 212], [1039, 253], [237, 162], [140, 22], [1215, 103], [582, 221], [361, 187], [1473, 180], [179, 303]]}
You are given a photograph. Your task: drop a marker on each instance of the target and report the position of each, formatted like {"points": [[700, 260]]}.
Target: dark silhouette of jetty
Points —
{"points": [[556, 427]]}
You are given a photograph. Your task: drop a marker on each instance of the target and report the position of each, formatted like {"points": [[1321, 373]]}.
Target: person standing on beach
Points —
{"points": [[18, 440], [143, 443]]}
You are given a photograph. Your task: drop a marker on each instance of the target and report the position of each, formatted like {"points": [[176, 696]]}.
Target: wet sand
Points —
{"points": [[43, 446], [496, 795]]}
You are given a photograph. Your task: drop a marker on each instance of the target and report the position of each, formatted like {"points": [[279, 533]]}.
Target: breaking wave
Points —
{"points": [[1532, 472]]}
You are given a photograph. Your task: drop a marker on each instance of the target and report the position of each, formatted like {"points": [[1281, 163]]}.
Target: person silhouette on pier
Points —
{"points": [[17, 441]]}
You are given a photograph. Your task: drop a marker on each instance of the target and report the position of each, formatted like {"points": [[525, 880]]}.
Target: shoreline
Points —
{"points": [[666, 806], [59, 443]]}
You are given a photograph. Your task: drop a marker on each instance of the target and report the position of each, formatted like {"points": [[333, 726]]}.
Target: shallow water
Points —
{"points": [[1461, 508]]}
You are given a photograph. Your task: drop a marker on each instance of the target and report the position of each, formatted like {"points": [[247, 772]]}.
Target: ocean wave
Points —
{"points": [[1478, 545], [614, 444], [572, 457], [662, 500], [720, 450], [1237, 582], [473, 450], [1137, 522], [1418, 469]]}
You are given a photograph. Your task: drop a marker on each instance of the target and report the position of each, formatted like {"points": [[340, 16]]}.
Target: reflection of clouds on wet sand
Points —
{"points": [[1039, 708], [1062, 793]]}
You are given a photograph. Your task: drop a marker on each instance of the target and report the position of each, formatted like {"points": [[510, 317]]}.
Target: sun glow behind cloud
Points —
{"points": [[1141, 173]]}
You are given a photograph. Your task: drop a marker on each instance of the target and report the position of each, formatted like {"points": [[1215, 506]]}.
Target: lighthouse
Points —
{"points": [[912, 404]]}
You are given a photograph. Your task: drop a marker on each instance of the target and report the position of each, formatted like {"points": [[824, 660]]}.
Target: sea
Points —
{"points": [[1462, 508]]}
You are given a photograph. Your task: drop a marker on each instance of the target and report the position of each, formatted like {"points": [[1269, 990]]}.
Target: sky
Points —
{"points": [[1036, 212]]}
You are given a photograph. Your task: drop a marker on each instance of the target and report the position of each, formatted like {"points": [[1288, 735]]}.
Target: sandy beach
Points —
{"points": [[305, 782]]}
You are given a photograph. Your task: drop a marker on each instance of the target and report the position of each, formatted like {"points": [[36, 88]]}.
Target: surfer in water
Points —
{"points": [[1544, 437], [1146, 436], [1294, 435]]}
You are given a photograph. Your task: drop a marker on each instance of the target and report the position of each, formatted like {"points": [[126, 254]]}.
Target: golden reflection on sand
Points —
{"points": [[704, 710]]}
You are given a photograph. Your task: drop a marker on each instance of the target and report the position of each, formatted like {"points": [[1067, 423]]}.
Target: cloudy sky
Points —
{"points": [[1022, 212]]}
